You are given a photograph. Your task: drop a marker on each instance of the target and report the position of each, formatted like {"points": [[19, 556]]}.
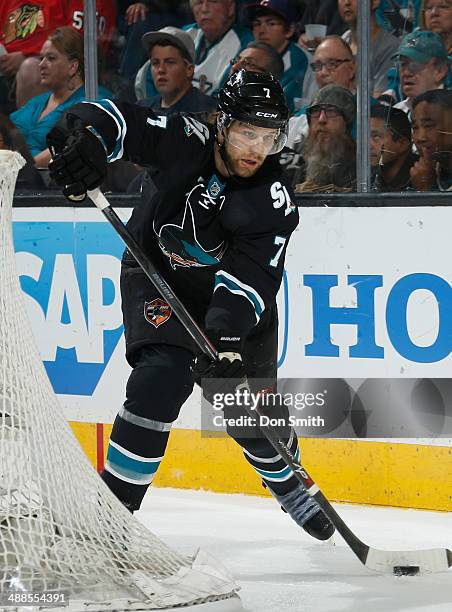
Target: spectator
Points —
{"points": [[217, 41], [436, 16], [432, 135], [383, 44], [390, 147], [259, 57], [137, 18], [40, 22], [273, 23], [24, 27], [172, 55], [333, 63], [423, 65], [62, 72], [329, 158]]}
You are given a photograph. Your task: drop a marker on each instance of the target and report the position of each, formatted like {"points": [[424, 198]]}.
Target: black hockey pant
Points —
{"points": [[159, 384]]}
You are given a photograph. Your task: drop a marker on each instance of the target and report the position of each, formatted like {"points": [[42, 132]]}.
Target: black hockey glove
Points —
{"points": [[226, 374], [79, 158]]}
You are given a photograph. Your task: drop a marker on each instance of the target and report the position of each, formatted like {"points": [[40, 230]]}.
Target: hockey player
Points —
{"points": [[217, 229]]}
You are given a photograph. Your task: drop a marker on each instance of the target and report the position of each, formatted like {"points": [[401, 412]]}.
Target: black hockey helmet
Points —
{"points": [[256, 98]]}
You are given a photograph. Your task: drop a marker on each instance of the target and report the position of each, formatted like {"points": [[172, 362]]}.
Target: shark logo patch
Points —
{"points": [[157, 312]]}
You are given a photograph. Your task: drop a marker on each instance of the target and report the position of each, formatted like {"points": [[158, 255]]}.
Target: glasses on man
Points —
{"points": [[332, 64], [247, 64], [331, 112]]}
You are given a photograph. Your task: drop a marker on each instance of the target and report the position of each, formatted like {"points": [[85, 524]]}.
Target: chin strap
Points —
{"points": [[223, 154]]}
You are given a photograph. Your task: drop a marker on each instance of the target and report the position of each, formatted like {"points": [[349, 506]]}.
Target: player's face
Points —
{"points": [[55, 68], [170, 71], [427, 121], [247, 146], [272, 30], [213, 16]]}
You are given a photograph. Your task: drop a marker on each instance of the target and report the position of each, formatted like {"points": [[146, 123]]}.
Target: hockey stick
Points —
{"points": [[381, 561]]}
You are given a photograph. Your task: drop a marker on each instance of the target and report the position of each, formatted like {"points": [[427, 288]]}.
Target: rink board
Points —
{"points": [[366, 293]]}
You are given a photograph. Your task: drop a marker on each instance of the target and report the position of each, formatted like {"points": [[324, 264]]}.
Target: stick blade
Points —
{"points": [[409, 562]]}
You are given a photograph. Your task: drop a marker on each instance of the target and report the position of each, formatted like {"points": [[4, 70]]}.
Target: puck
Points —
{"points": [[406, 570]]}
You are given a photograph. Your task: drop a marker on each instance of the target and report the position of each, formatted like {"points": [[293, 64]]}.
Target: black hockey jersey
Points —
{"points": [[218, 241]]}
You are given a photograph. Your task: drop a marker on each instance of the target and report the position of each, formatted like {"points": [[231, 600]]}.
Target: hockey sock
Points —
{"points": [[141, 429]]}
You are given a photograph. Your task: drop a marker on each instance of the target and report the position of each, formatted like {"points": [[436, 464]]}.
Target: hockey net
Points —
{"points": [[62, 532]]}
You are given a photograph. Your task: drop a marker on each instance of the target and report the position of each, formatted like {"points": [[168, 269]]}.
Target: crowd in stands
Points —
{"points": [[174, 56]]}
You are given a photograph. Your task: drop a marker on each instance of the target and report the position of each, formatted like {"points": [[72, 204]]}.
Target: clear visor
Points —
{"points": [[247, 137]]}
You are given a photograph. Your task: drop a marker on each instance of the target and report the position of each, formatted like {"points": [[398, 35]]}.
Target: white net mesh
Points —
{"points": [[61, 529]]}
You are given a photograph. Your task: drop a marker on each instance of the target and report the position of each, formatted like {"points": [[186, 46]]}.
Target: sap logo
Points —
{"points": [[363, 316], [271, 115], [69, 273]]}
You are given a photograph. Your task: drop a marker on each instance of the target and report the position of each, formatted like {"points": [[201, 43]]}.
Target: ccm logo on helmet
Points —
{"points": [[261, 114]]}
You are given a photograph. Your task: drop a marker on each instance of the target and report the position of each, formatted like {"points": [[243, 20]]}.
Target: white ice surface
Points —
{"points": [[281, 568]]}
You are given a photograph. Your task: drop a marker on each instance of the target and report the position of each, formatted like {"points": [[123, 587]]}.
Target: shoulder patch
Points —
{"points": [[192, 126]]}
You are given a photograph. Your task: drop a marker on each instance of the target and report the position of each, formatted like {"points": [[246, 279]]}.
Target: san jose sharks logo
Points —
{"points": [[157, 312], [181, 244]]}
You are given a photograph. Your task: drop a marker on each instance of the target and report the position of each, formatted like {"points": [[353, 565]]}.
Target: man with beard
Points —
{"points": [[217, 230], [329, 157]]}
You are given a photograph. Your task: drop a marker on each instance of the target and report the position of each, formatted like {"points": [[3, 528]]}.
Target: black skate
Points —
{"points": [[306, 512], [319, 526]]}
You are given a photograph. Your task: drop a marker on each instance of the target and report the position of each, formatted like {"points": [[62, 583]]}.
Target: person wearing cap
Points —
{"points": [[423, 65], [273, 23], [432, 136], [383, 44], [329, 153], [171, 57], [170, 66], [391, 151]]}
